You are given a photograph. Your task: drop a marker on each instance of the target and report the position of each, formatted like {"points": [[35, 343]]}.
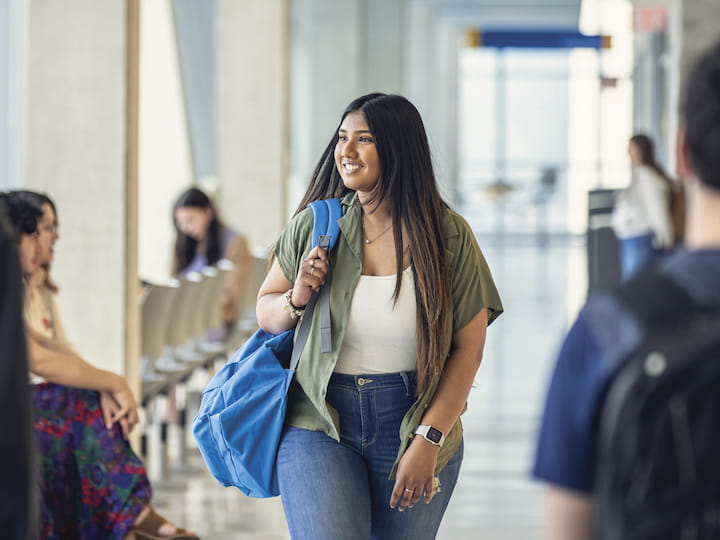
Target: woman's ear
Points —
{"points": [[685, 168]]}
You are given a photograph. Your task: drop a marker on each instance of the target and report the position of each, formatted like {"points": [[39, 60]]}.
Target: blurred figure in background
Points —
{"points": [[572, 457], [203, 240], [18, 498], [92, 485], [642, 220]]}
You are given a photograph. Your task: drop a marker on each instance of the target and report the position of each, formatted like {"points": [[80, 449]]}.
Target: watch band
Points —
{"points": [[431, 434]]}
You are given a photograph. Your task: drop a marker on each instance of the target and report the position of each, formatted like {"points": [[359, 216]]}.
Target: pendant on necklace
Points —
{"points": [[370, 240]]}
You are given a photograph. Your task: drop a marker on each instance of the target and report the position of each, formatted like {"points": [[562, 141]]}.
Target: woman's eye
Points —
{"points": [[342, 137], [366, 139]]}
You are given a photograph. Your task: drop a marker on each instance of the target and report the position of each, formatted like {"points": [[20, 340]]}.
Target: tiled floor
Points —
{"points": [[542, 287]]}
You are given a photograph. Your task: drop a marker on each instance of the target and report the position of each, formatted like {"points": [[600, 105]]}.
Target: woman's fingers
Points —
{"points": [[318, 253], [311, 276], [108, 407], [125, 427], [405, 494]]}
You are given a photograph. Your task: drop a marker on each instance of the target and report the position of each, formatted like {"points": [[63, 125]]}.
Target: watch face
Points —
{"points": [[434, 435]]}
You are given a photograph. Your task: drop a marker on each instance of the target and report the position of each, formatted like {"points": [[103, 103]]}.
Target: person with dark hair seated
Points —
{"points": [[92, 485], [203, 240], [17, 496]]}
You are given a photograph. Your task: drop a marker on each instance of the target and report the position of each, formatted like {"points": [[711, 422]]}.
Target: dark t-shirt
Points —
{"points": [[566, 450]]}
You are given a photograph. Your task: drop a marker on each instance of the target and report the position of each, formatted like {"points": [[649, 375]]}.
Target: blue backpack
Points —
{"points": [[242, 410]]}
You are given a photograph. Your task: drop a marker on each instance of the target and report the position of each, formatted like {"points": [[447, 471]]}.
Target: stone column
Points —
{"points": [[443, 116], [12, 92], [384, 40], [253, 85], [82, 150], [329, 62], [419, 44], [432, 50], [165, 165]]}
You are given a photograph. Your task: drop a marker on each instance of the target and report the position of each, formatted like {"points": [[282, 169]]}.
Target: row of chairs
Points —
{"points": [[179, 355], [175, 318]]}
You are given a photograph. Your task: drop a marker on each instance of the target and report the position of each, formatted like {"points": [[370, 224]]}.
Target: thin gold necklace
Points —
{"points": [[371, 240]]}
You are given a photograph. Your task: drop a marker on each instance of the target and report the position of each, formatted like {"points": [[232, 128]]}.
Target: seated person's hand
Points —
{"points": [[120, 406]]}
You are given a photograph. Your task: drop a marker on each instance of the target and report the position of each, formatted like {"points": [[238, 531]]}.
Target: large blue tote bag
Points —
{"points": [[242, 410]]}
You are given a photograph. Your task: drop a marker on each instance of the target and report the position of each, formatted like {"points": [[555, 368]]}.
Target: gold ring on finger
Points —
{"points": [[312, 263], [410, 490], [312, 271]]}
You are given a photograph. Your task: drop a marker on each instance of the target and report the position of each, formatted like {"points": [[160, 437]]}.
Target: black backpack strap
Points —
{"points": [[624, 318]]}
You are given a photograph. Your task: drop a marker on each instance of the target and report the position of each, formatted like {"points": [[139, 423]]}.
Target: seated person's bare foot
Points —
{"points": [[150, 525]]}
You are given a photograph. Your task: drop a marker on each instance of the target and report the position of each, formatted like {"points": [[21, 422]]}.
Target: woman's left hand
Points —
{"points": [[415, 474], [110, 408]]}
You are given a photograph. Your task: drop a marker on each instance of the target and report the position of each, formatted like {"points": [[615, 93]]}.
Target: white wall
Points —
{"points": [[76, 151], [252, 66], [165, 162]]}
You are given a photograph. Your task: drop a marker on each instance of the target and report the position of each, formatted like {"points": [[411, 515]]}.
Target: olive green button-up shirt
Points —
{"points": [[472, 290]]}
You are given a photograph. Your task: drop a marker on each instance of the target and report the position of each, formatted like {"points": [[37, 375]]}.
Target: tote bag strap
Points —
{"points": [[325, 234]]}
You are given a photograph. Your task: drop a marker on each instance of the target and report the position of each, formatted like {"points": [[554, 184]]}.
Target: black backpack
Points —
{"points": [[658, 473]]}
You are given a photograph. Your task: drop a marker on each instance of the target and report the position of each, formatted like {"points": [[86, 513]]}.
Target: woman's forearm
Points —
{"points": [[453, 390], [68, 369], [271, 316], [458, 375]]}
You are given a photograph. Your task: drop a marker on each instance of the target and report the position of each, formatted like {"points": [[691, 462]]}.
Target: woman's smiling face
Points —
{"points": [[356, 156]]}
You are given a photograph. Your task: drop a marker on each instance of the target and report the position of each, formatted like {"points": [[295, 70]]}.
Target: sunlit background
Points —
{"points": [[115, 107]]}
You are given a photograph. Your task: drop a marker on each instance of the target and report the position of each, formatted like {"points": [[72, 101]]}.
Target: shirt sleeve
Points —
{"points": [[566, 448], [294, 244], [472, 283]]}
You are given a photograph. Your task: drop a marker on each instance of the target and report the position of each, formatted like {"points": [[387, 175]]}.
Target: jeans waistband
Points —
{"points": [[374, 381]]}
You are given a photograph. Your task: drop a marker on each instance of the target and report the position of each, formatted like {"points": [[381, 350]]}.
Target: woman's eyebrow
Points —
{"points": [[358, 131]]}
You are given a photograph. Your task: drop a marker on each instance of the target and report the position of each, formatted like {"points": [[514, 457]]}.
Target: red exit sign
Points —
{"points": [[649, 18]]}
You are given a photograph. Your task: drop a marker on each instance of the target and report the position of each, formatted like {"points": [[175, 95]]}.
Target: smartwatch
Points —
{"points": [[431, 434]]}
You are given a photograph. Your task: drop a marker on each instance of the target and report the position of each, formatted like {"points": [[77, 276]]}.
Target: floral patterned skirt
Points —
{"points": [[92, 485]]}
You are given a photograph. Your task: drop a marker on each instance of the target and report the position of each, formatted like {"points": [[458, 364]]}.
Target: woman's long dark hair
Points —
{"points": [[185, 246], [646, 149], [408, 182], [18, 517]]}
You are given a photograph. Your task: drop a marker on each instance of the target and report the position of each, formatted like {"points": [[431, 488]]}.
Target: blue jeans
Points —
{"points": [[333, 491], [635, 252]]}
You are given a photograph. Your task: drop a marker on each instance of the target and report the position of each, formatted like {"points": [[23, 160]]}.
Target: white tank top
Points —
{"points": [[380, 336]]}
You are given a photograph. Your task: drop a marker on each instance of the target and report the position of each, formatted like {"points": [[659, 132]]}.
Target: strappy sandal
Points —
{"points": [[148, 529]]}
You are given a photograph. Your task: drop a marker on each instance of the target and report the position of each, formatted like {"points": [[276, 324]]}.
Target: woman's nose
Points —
{"points": [[349, 149]]}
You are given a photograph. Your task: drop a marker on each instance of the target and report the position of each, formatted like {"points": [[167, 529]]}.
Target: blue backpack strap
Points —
{"points": [[326, 213], [321, 216], [326, 232], [333, 227]]}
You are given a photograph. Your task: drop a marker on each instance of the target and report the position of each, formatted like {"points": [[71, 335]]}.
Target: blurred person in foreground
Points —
{"points": [[568, 457], [17, 496]]}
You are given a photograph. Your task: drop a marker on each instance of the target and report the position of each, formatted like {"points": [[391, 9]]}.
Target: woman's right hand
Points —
{"points": [[127, 408], [311, 276]]}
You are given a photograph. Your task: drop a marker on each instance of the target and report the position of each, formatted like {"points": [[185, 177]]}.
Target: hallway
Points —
{"points": [[494, 498]]}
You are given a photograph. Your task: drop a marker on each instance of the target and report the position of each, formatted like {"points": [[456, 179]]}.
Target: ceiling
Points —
{"points": [[508, 14]]}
